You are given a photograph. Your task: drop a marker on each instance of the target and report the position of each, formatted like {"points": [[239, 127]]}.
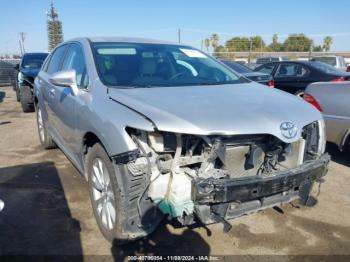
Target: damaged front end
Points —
{"points": [[215, 178]]}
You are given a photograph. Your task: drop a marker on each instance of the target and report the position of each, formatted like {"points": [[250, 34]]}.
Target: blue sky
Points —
{"points": [[160, 19]]}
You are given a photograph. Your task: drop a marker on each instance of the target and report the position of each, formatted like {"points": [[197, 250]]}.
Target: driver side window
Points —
{"points": [[75, 60]]}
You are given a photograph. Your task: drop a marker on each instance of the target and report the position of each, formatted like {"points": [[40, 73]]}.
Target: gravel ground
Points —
{"points": [[47, 209]]}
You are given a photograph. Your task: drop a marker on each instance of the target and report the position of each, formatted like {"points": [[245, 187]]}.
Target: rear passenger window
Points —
{"points": [[266, 69], [55, 61], [290, 70]]}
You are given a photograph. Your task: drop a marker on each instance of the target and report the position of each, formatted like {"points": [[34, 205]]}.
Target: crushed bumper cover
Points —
{"points": [[232, 197]]}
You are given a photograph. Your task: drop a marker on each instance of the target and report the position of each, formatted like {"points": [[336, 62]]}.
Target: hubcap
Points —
{"points": [[103, 194], [41, 126]]}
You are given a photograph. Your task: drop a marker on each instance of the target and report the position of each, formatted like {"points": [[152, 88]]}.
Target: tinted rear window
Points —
{"points": [[327, 60], [33, 61], [325, 68]]}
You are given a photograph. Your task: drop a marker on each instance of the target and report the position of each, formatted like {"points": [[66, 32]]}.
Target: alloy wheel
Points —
{"points": [[103, 194]]}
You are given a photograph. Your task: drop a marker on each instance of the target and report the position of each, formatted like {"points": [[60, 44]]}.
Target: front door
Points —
{"points": [[66, 102]]}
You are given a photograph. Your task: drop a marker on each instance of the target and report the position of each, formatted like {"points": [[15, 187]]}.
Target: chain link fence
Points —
{"points": [[7, 71]]}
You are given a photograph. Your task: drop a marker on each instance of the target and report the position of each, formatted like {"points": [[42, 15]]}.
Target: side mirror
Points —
{"points": [[16, 67], [66, 78]]}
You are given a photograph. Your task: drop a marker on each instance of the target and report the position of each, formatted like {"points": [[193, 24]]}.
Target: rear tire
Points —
{"points": [[45, 138]]}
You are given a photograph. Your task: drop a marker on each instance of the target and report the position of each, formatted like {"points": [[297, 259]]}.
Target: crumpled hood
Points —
{"points": [[224, 109]]}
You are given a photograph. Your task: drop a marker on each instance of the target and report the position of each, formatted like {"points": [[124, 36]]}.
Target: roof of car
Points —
{"points": [[290, 61], [316, 56], [125, 40], [36, 53]]}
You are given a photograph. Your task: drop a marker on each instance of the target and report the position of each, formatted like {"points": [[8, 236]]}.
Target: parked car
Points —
{"points": [[333, 60], [28, 69], [332, 99], [294, 76], [261, 78], [162, 129], [268, 59]]}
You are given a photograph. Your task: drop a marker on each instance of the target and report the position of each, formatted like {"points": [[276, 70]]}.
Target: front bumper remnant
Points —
{"points": [[232, 197]]}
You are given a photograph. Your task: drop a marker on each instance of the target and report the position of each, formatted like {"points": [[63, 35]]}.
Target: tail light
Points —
{"points": [[338, 79], [310, 99], [348, 69], [271, 83]]}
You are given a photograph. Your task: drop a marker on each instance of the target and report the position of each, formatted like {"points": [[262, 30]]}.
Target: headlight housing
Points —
{"points": [[20, 78]]}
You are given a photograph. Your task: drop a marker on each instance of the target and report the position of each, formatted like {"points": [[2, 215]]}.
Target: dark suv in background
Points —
{"points": [[28, 69]]}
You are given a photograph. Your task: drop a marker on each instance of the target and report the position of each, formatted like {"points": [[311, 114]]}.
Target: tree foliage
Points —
{"points": [[297, 43], [327, 43], [293, 43], [244, 44], [207, 44], [275, 46], [54, 28], [214, 40]]}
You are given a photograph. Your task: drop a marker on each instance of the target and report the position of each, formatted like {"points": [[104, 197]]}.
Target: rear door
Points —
{"points": [[291, 77], [48, 90]]}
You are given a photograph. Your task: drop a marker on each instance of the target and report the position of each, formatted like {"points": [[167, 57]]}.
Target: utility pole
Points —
{"points": [[20, 47], [22, 36], [202, 44], [179, 35]]}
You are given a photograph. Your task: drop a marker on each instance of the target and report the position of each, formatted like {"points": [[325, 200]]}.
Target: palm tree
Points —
{"points": [[207, 43], [214, 39], [327, 43]]}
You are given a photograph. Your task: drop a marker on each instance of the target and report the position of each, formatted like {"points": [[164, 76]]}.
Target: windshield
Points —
{"points": [[33, 61], [326, 68], [327, 60], [237, 67], [147, 65]]}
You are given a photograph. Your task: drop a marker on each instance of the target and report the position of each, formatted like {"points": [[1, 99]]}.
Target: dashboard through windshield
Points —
{"points": [[149, 65]]}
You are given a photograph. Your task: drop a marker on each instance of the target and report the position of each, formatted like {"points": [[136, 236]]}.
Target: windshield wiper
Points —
{"points": [[141, 86], [212, 83]]}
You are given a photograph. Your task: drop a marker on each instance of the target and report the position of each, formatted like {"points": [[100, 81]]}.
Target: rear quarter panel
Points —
{"points": [[334, 99]]}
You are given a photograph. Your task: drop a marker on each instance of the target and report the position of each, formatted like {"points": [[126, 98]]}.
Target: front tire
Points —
{"points": [[131, 215], [17, 94], [44, 137], [105, 195], [26, 99]]}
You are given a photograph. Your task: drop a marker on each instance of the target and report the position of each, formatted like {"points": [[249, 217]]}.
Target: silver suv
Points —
{"points": [[161, 129], [333, 60]]}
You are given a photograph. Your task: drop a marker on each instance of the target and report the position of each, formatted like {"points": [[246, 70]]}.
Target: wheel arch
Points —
{"points": [[89, 139]]}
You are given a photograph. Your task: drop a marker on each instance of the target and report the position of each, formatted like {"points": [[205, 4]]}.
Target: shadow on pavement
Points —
{"points": [[36, 219], [342, 158], [2, 96], [162, 243]]}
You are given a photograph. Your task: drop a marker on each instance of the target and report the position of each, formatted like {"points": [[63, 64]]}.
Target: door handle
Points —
{"points": [[52, 92]]}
